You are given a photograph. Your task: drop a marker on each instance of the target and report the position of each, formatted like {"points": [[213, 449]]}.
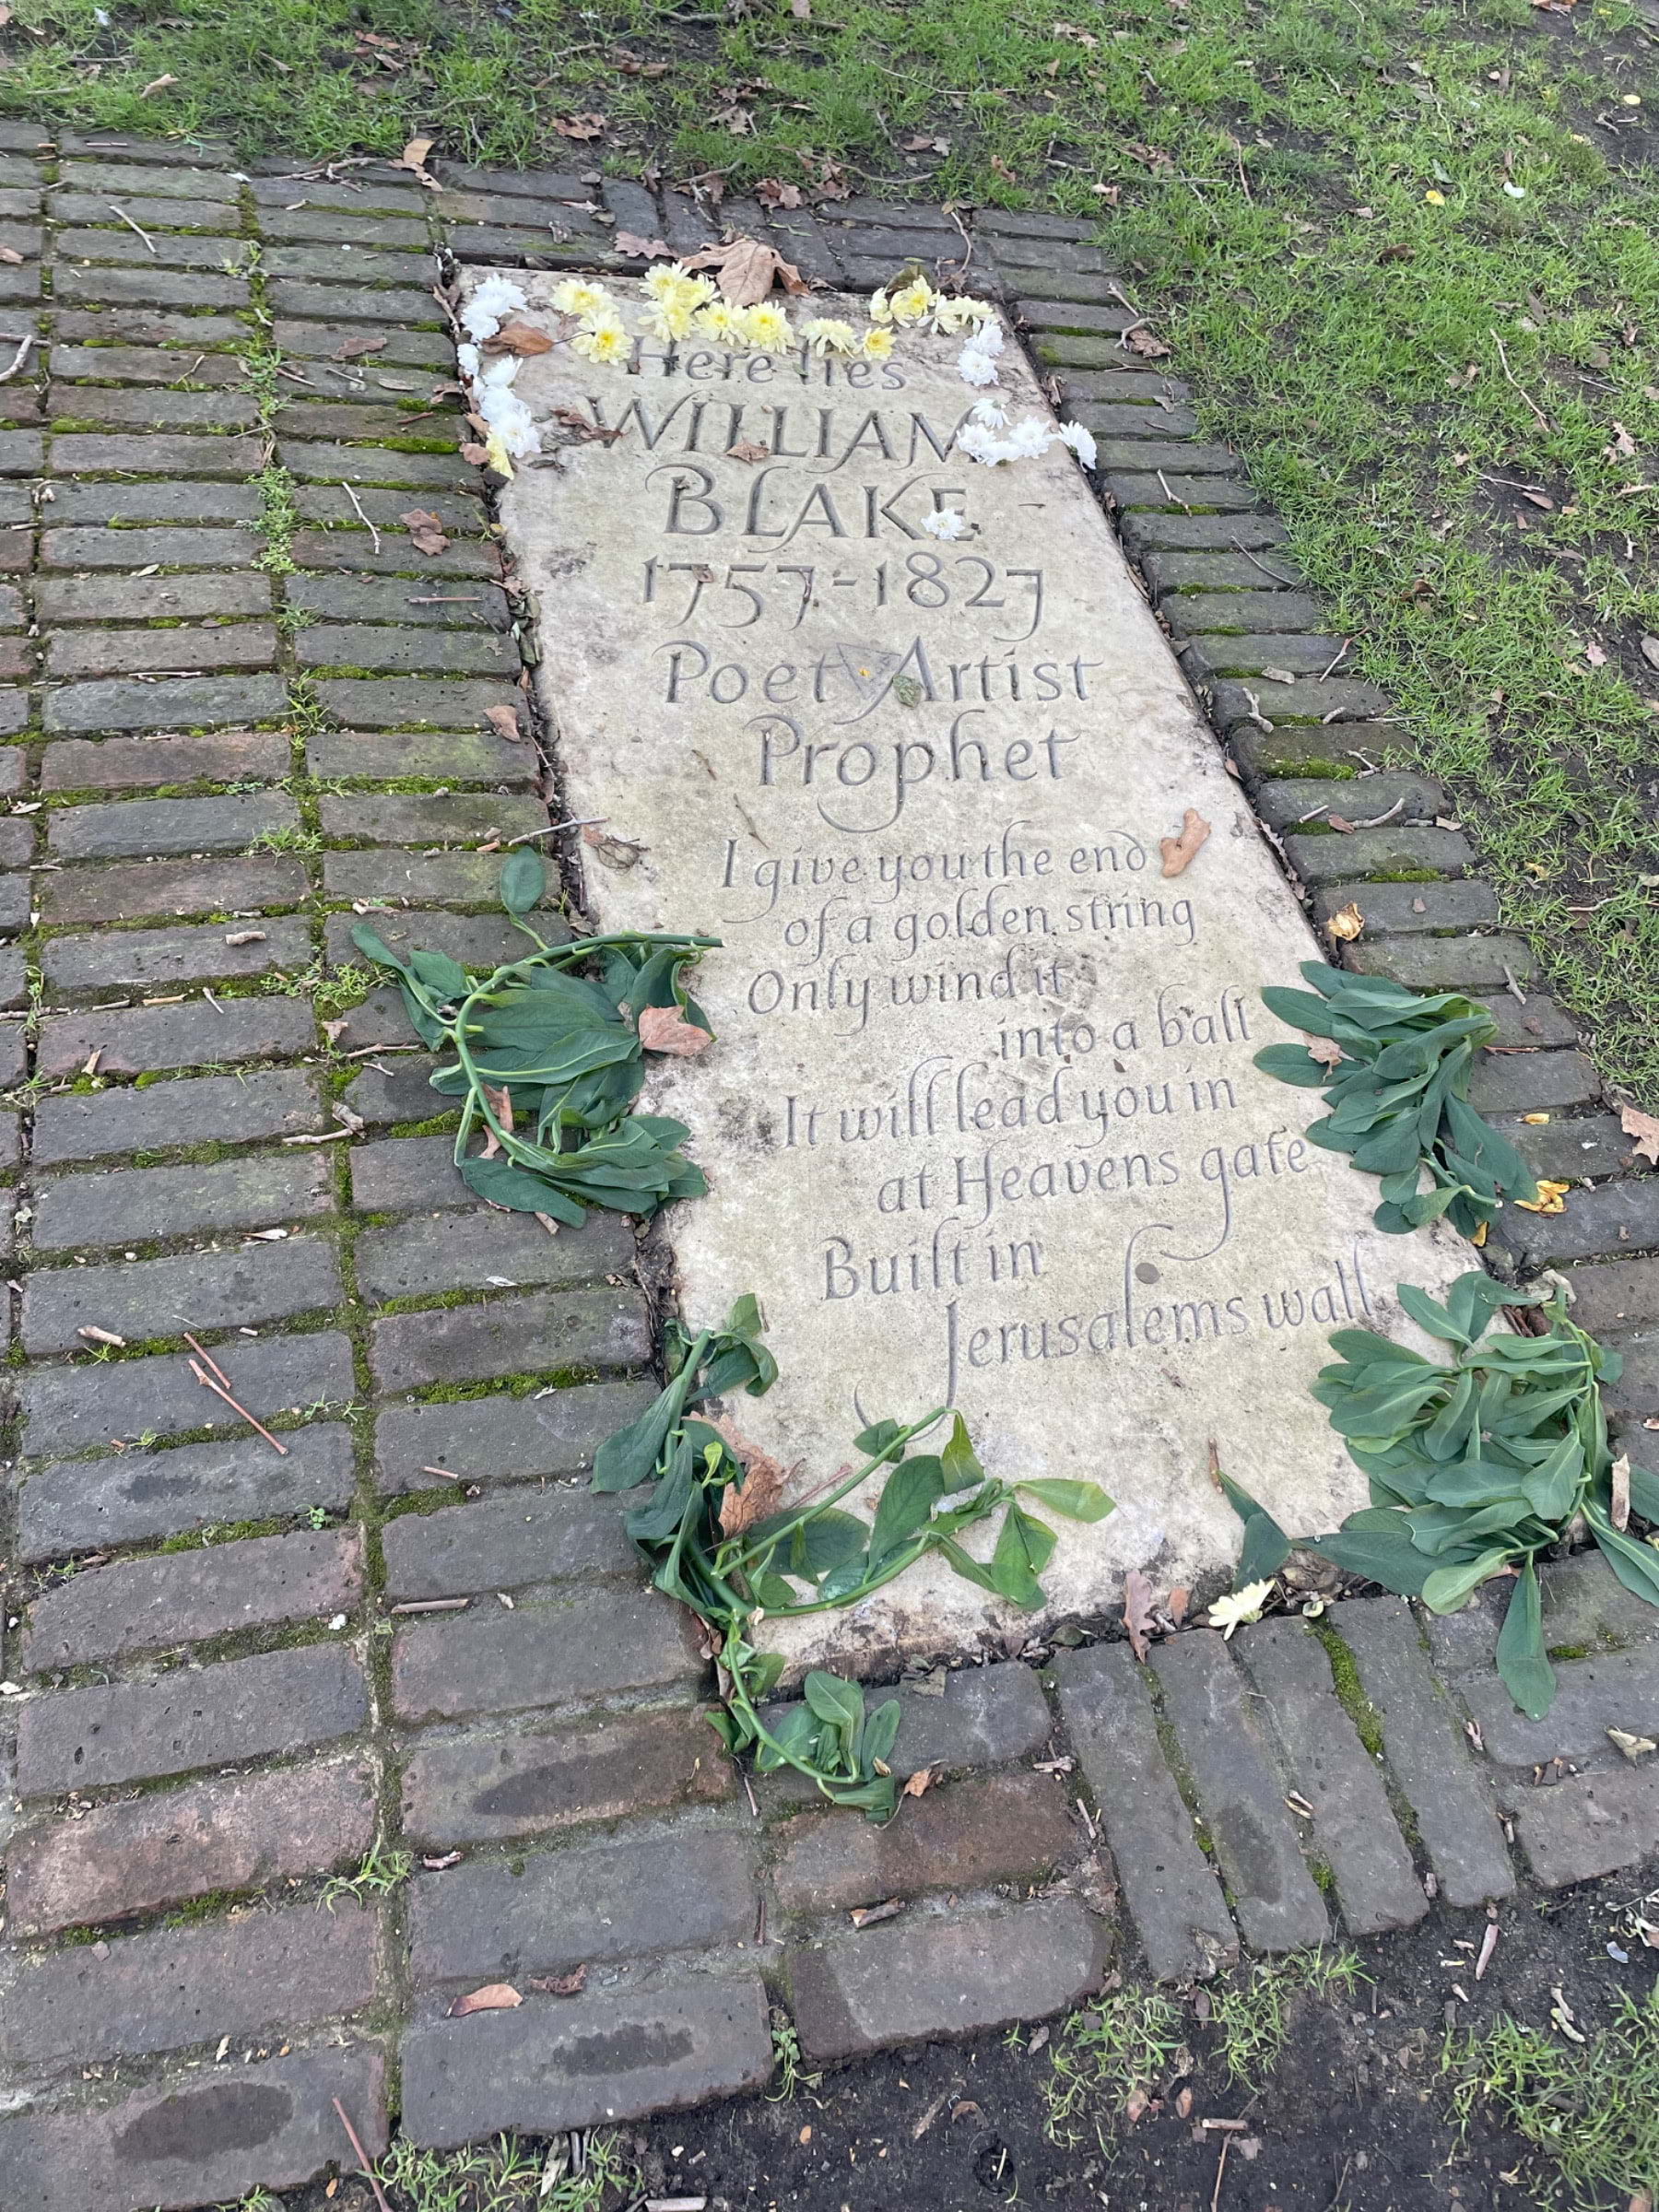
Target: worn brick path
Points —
{"points": [[237, 703]]}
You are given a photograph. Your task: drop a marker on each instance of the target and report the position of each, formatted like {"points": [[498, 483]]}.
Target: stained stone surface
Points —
{"points": [[981, 1126]]}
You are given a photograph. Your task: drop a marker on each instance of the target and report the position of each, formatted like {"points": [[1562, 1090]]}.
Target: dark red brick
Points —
{"points": [[134, 1205], [963, 1835], [144, 1038], [161, 958], [541, 1653], [143, 1299], [520, 1535], [128, 892], [496, 1439]]}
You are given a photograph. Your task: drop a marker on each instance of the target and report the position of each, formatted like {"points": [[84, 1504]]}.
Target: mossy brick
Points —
{"points": [[15, 905], [168, 829], [1240, 1793], [1427, 1753], [1214, 577], [634, 207], [13, 1054], [476, 940], [996, 223], [1129, 487], [1083, 354], [980, 1716], [1169, 1886], [13, 770], [144, 1298], [1473, 963], [167, 249], [277, 183], [144, 1039], [1113, 424], [121, 599], [381, 305], [1354, 1830], [403, 651], [1285, 800], [551, 1434], [399, 1092], [1634, 1396], [133, 1496], [521, 1536], [401, 1173], [199, 2138], [20, 201], [1377, 851], [1076, 318], [19, 287], [1529, 1082], [17, 660], [74, 145], [556, 2062], [13, 987], [93, 452], [177, 1986], [147, 288], [544, 1653], [443, 756], [537, 248], [244, 1709], [173, 651], [14, 712], [159, 1849], [111, 180], [961, 1835], [1131, 450], [321, 461], [107, 1613], [327, 224], [13, 613], [118, 502], [954, 1975], [122, 1205], [222, 218], [507, 1335], [441, 1253], [1133, 384], [115, 409], [465, 558], [1063, 287], [131, 763], [178, 888], [460, 879], [627, 1898], [397, 819], [190, 701], [1566, 1148], [1343, 699], [166, 547], [1403, 908], [123, 323], [347, 262], [310, 337], [143, 365], [1195, 614], [1587, 1825], [526, 184], [384, 506], [1614, 1217], [353, 599], [1610, 1689], [160, 958], [1582, 1604], [492, 1788]]}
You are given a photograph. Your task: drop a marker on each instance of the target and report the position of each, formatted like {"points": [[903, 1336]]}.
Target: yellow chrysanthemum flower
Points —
{"points": [[825, 335], [951, 315], [722, 322], [911, 304], [877, 346], [880, 310], [663, 279], [576, 296], [670, 318], [602, 339], [496, 455], [768, 326]]}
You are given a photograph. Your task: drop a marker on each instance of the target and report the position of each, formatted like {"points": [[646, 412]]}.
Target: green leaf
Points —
{"points": [[912, 1489], [374, 949], [958, 1461], [1075, 1500], [1390, 1559], [1447, 1587], [442, 975], [832, 1700], [879, 1437], [1636, 1564], [1265, 1546], [519, 1188], [881, 1732], [1023, 1546], [628, 1456], [523, 880], [1521, 1659], [1435, 1319]]}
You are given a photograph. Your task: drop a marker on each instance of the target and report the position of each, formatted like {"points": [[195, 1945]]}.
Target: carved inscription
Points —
{"points": [[982, 1127]]}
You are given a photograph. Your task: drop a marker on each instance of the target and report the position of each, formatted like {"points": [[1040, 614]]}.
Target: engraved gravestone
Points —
{"points": [[981, 1126]]}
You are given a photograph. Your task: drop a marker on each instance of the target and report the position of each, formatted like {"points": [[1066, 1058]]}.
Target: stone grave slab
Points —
{"points": [[982, 1127]]}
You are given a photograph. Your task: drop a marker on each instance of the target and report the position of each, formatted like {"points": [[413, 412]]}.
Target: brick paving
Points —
{"points": [[236, 702]]}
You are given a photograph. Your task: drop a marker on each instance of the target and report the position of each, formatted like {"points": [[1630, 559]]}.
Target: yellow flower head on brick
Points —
{"points": [[602, 338], [877, 346], [825, 335], [767, 326], [913, 301], [576, 296]]}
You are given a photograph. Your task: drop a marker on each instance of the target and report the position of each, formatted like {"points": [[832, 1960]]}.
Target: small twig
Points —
{"points": [[553, 829], [18, 359], [352, 494], [434, 1604], [1336, 656], [219, 1391], [1220, 2171], [1375, 821], [448, 1474], [362, 2159], [1239, 547], [1515, 990], [1171, 495], [127, 218], [1539, 415], [209, 1361]]}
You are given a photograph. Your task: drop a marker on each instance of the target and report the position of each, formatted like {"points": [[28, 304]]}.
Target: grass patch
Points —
{"points": [[1100, 2059], [1252, 2010], [504, 2176], [1591, 2112]]}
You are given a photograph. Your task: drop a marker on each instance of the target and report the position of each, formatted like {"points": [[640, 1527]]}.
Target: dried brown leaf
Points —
{"points": [[642, 249], [1633, 1747], [1644, 1128], [745, 270], [581, 126], [1176, 1604], [504, 721], [1618, 1504], [771, 191], [414, 159], [1326, 1051], [747, 450], [763, 1479], [1346, 925], [920, 1783], [10, 255], [521, 339], [352, 350], [1650, 652], [156, 84], [495, 1996], [1178, 852], [426, 534], [558, 1985], [1137, 1612], [665, 1030]]}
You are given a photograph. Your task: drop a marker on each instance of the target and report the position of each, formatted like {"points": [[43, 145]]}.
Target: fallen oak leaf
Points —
{"points": [[1326, 1051], [584, 427], [351, 350], [1178, 852], [1141, 340], [521, 339], [1644, 1128], [414, 159], [772, 192], [747, 450], [581, 126], [642, 249], [745, 270], [504, 721], [426, 534], [1137, 1612], [495, 1996], [920, 1783], [763, 1479], [665, 1030]]}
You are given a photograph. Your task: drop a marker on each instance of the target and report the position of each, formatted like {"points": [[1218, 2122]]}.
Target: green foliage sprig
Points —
{"points": [[546, 1063], [1481, 1462], [1399, 1095], [736, 1562]]}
